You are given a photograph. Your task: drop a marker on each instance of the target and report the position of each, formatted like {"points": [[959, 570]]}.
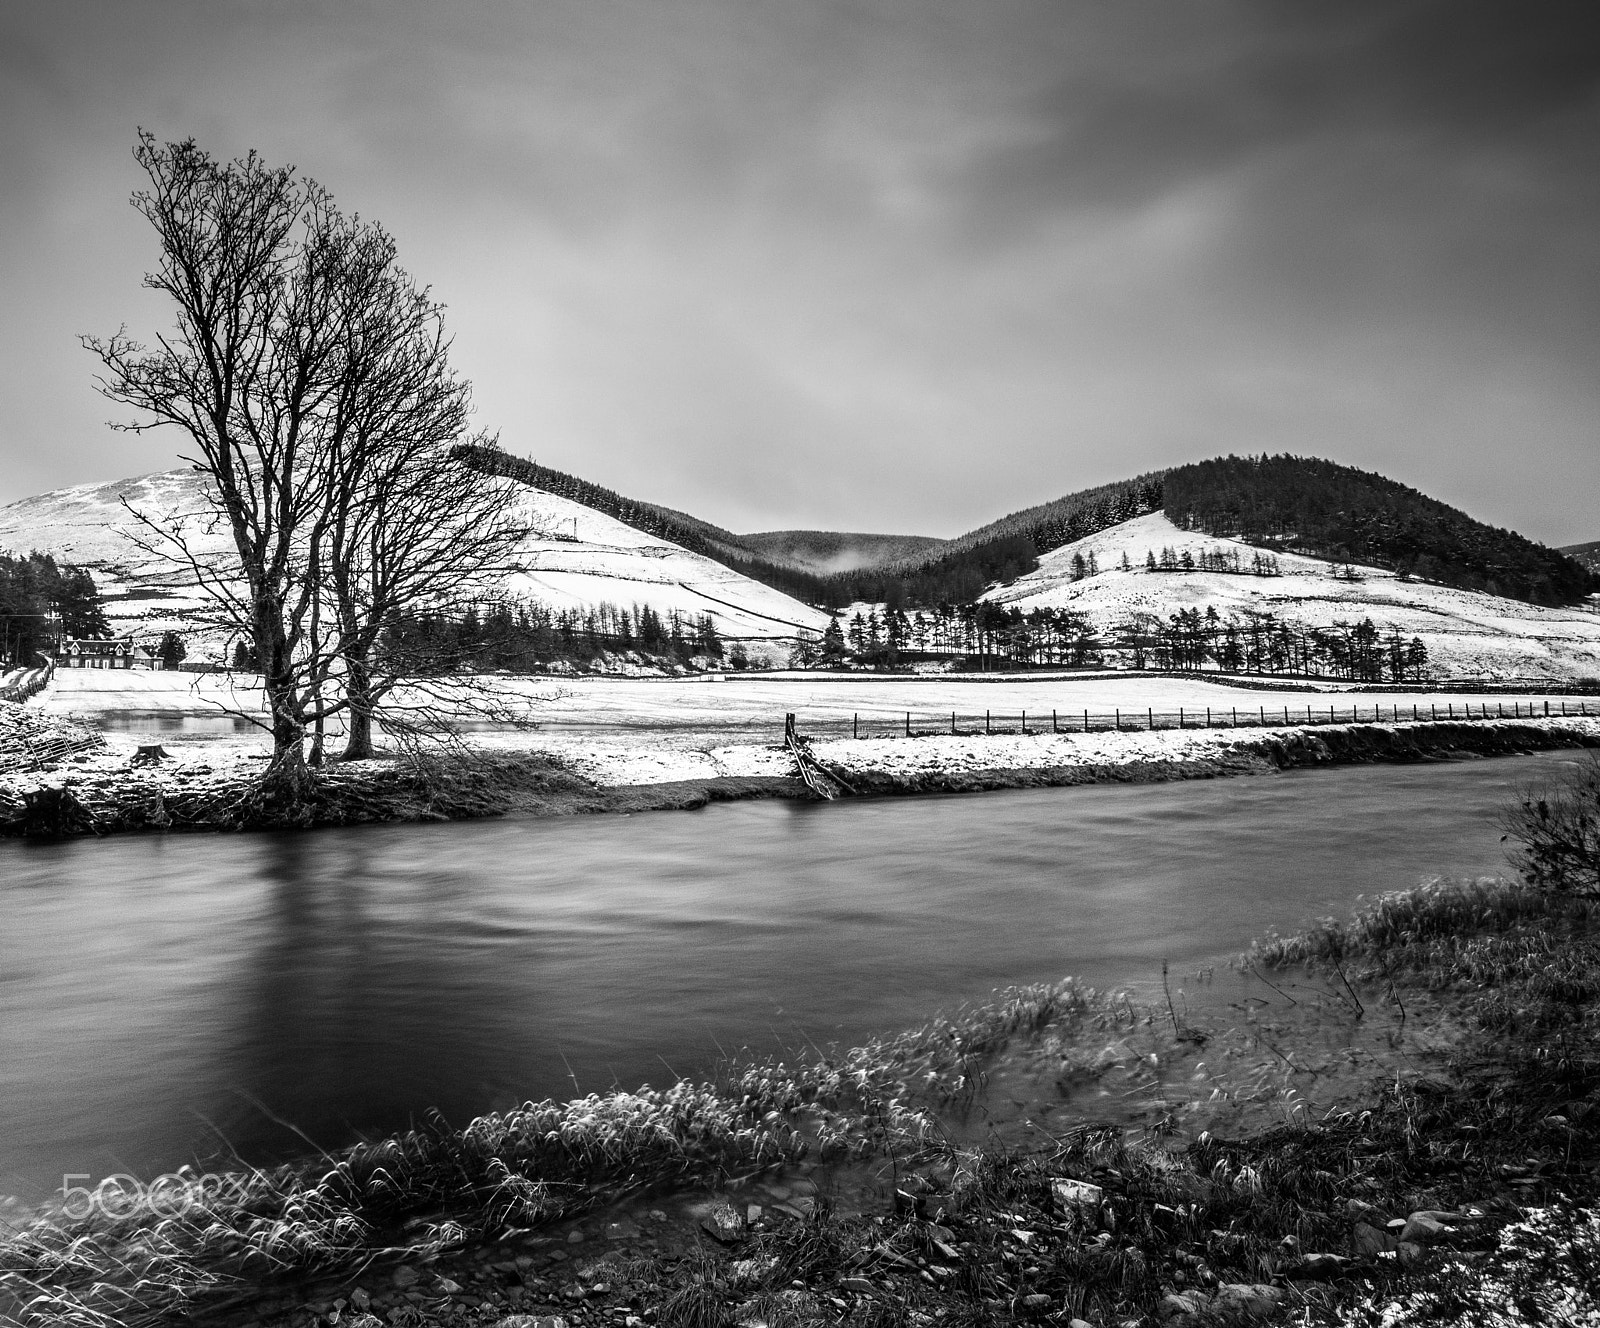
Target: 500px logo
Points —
{"points": [[122, 1196]]}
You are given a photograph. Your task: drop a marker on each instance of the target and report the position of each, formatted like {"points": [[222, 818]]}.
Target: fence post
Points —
{"points": [[1119, 719], [986, 721], [1085, 721], [1286, 717], [908, 723], [855, 725], [1024, 723], [1263, 717], [1547, 710], [1150, 719], [1054, 728], [1236, 717], [1180, 717], [1208, 716], [1452, 706], [952, 723]]}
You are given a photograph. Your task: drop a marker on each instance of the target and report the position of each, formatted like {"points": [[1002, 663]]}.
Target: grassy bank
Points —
{"points": [[1177, 1160], [66, 801]]}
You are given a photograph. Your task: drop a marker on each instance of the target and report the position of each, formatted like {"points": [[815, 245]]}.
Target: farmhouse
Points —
{"points": [[112, 653]]}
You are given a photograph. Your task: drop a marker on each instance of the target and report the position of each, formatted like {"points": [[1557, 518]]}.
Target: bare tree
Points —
{"points": [[312, 379]]}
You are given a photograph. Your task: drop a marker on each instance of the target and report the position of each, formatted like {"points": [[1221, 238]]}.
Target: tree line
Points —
{"points": [[991, 635], [1347, 515], [528, 637], [42, 601]]}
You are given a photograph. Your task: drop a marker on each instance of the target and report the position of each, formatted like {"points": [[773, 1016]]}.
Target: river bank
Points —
{"points": [[1377, 1132], [109, 787]]}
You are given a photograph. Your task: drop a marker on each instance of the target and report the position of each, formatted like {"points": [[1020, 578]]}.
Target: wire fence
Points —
{"points": [[923, 724]]}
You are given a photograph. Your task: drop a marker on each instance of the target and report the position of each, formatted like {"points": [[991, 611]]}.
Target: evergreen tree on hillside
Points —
{"points": [[1347, 515]]}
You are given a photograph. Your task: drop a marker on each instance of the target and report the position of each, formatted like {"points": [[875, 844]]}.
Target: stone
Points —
{"points": [[1079, 1323], [449, 1288], [1077, 1196], [1370, 1242], [752, 1214], [1188, 1302], [365, 1321], [723, 1224], [1251, 1297], [622, 1229], [406, 1276], [361, 1300], [1319, 1265], [749, 1272], [1036, 1304], [1433, 1227], [575, 1236]]}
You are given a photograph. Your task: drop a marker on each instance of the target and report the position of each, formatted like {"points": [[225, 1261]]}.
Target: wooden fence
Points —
{"points": [[28, 740], [32, 685], [923, 724]]}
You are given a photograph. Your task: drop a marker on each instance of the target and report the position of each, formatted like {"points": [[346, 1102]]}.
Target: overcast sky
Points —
{"points": [[878, 266]]}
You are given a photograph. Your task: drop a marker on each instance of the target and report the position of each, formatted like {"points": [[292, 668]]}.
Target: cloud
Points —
{"points": [[831, 263]]}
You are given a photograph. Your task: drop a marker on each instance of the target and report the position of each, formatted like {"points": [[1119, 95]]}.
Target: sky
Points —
{"points": [[889, 266]]}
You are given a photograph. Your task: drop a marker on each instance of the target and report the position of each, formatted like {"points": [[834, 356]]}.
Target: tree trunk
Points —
{"points": [[358, 703]]}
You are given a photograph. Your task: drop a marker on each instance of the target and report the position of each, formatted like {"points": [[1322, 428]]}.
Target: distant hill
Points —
{"points": [[1337, 512], [1127, 584], [1587, 554], [575, 557], [827, 551], [1300, 504]]}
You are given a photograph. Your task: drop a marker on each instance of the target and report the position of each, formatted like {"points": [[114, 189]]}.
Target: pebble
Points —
{"points": [[723, 1224]]}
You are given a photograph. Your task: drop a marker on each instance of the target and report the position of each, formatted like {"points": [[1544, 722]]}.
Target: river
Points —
{"points": [[168, 998]]}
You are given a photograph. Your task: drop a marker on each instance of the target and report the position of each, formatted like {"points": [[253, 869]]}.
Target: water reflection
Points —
{"points": [[161, 995]]}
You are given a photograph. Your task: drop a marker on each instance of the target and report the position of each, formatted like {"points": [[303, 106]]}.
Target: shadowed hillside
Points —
{"points": [[1291, 503], [1587, 554], [828, 551], [1340, 513]]}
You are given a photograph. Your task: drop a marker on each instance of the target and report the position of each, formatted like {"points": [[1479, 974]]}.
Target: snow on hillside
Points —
{"points": [[575, 558], [1467, 634], [578, 556]]}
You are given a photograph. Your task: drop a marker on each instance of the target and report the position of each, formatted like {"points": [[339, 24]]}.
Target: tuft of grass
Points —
{"points": [[1406, 927], [435, 1189]]}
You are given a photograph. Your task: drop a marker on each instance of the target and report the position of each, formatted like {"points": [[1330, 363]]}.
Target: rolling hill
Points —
{"points": [[574, 557], [1468, 634]]}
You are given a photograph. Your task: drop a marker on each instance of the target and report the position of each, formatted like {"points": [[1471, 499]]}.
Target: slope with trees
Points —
{"points": [[1343, 514], [41, 601], [1587, 554]]}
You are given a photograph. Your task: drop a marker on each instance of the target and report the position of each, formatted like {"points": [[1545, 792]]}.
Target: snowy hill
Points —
{"points": [[1467, 634], [575, 558]]}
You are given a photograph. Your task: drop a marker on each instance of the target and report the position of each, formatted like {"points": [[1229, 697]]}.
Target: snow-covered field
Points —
{"points": [[641, 731], [574, 557], [1467, 634]]}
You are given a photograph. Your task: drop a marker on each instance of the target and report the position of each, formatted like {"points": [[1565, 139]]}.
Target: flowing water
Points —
{"points": [[168, 998]]}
